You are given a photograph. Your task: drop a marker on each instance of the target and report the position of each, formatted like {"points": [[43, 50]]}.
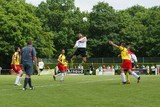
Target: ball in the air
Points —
{"points": [[84, 19]]}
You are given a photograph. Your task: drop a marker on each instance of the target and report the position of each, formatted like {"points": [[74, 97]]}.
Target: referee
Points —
{"points": [[28, 57]]}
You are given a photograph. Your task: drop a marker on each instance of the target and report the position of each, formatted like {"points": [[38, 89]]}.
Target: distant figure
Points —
{"points": [[91, 67], [28, 57], [148, 69], [153, 69], [40, 66]]}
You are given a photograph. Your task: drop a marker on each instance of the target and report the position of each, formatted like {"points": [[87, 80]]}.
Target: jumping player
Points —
{"points": [[126, 62], [15, 66], [80, 44], [61, 66]]}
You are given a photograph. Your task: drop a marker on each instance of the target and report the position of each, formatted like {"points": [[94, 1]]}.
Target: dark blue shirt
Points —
{"points": [[28, 53]]}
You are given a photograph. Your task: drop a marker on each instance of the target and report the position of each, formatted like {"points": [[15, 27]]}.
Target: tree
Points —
{"points": [[103, 26], [19, 23]]}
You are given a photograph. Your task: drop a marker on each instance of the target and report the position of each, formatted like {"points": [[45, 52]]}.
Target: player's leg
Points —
{"points": [[28, 69], [17, 79], [77, 52], [26, 81], [83, 54], [127, 77], [16, 69], [58, 74], [123, 76], [20, 77], [135, 75], [62, 76], [84, 60]]}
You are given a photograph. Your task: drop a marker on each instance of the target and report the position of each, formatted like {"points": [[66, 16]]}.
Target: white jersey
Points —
{"points": [[41, 65], [81, 43], [133, 58]]}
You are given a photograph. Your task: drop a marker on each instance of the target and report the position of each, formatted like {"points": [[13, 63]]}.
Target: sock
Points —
{"points": [[62, 76], [135, 75], [30, 82], [17, 79], [127, 77], [123, 77], [25, 82], [58, 74]]}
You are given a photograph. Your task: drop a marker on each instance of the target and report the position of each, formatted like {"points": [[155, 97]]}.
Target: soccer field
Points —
{"points": [[81, 91]]}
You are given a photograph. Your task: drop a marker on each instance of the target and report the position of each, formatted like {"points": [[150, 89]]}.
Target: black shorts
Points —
{"points": [[81, 51], [28, 68], [41, 69]]}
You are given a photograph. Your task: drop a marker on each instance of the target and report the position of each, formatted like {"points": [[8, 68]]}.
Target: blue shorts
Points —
{"points": [[28, 68]]}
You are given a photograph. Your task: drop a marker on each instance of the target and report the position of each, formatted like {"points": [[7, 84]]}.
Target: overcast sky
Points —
{"points": [[86, 5]]}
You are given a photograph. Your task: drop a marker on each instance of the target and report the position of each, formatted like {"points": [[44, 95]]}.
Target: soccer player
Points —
{"points": [[126, 62], [15, 66], [133, 61], [80, 44], [28, 57], [61, 65], [40, 66]]}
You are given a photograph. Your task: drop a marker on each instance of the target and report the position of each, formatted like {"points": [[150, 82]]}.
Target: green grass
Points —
{"points": [[81, 91]]}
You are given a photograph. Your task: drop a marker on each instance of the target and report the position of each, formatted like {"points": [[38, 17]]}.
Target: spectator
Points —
{"points": [[153, 69], [91, 67], [116, 67], [142, 67], [112, 68], [80, 68], [148, 69], [100, 68], [104, 68], [108, 67]]}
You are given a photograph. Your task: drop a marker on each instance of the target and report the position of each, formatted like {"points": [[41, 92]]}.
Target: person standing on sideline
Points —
{"points": [[81, 45], [28, 57], [40, 66], [126, 62], [15, 66], [61, 66]]}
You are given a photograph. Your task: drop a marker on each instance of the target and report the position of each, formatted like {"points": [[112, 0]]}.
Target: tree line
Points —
{"points": [[53, 25]]}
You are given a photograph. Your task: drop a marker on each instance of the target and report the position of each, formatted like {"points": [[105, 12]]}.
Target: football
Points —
{"points": [[84, 19]]}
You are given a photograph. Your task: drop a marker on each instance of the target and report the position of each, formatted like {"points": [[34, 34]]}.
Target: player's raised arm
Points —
{"points": [[111, 43], [83, 39]]}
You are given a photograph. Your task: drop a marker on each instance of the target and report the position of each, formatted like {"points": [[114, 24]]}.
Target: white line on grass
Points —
{"points": [[51, 85]]}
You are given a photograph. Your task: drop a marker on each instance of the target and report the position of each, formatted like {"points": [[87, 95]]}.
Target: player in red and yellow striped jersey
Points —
{"points": [[126, 62], [15, 65], [61, 65]]}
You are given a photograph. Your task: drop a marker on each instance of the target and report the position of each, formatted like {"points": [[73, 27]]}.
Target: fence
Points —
{"points": [[108, 60]]}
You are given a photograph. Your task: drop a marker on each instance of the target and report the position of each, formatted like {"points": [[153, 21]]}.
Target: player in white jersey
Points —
{"points": [[81, 45]]}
